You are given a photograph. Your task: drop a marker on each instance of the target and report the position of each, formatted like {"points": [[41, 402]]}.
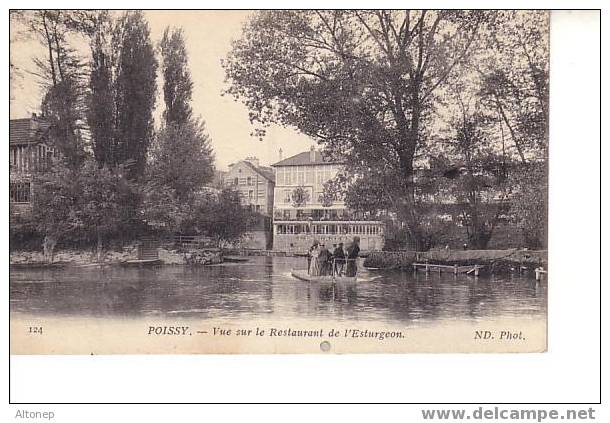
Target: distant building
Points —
{"points": [[255, 185], [254, 182], [29, 152], [300, 214]]}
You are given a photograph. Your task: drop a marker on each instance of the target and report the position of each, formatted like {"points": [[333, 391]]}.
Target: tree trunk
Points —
{"points": [[50, 47]]}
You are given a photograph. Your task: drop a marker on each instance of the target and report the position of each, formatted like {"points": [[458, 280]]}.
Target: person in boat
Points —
{"points": [[314, 263], [352, 254], [339, 259], [315, 243], [323, 257]]}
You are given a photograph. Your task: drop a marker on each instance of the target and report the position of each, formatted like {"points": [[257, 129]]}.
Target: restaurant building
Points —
{"points": [[301, 214]]}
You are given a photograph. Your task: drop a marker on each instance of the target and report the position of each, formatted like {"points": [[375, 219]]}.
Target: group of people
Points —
{"points": [[340, 262]]}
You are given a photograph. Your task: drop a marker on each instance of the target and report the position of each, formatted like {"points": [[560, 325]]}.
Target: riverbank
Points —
{"points": [[167, 256], [494, 261]]}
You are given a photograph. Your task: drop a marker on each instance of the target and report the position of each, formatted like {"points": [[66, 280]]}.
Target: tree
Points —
{"points": [[123, 87], [530, 203], [222, 217], [515, 83], [181, 159], [101, 111], [62, 77], [476, 177], [106, 201], [177, 83], [514, 69], [362, 83], [160, 208], [54, 205], [135, 91]]}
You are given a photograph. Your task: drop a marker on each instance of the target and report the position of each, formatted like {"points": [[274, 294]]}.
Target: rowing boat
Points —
{"points": [[302, 275]]}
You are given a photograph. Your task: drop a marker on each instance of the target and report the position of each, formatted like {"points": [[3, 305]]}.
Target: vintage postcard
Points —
{"points": [[278, 181]]}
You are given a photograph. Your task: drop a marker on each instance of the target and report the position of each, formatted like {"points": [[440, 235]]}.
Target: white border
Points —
{"points": [[567, 373]]}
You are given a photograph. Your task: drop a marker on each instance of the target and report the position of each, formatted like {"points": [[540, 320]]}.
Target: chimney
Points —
{"points": [[281, 155], [312, 154]]}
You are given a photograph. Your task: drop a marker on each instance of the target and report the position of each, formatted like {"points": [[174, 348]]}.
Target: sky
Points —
{"points": [[208, 40]]}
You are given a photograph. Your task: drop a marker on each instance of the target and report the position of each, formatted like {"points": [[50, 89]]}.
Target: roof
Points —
{"points": [[265, 172], [304, 158], [27, 130]]}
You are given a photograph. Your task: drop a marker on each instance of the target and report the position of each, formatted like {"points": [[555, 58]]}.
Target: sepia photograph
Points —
{"points": [[278, 181]]}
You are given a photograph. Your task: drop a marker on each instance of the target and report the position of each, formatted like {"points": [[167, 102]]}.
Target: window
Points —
{"points": [[13, 156], [250, 194], [320, 177], [309, 175], [287, 195], [249, 180], [20, 192], [326, 173], [279, 176], [258, 208], [288, 179], [236, 181]]}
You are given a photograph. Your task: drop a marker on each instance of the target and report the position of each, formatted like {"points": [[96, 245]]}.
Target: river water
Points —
{"points": [[263, 288]]}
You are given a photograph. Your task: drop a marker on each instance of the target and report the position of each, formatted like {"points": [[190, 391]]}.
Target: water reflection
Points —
{"points": [[263, 287]]}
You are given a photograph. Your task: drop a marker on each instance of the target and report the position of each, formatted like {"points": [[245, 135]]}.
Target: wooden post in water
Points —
{"points": [[539, 272], [455, 269], [476, 270]]}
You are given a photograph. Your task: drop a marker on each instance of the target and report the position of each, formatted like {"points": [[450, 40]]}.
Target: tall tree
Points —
{"points": [[362, 83], [181, 160], [515, 83], [62, 75], [177, 83], [515, 76], [123, 87], [101, 112], [476, 173], [134, 91]]}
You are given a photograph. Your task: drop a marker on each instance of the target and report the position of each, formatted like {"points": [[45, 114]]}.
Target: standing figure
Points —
{"points": [[314, 245], [314, 264], [339, 256], [352, 254], [323, 256]]}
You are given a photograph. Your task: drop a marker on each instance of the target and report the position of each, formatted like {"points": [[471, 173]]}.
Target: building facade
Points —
{"points": [[29, 152], [301, 214], [254, 183]]}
